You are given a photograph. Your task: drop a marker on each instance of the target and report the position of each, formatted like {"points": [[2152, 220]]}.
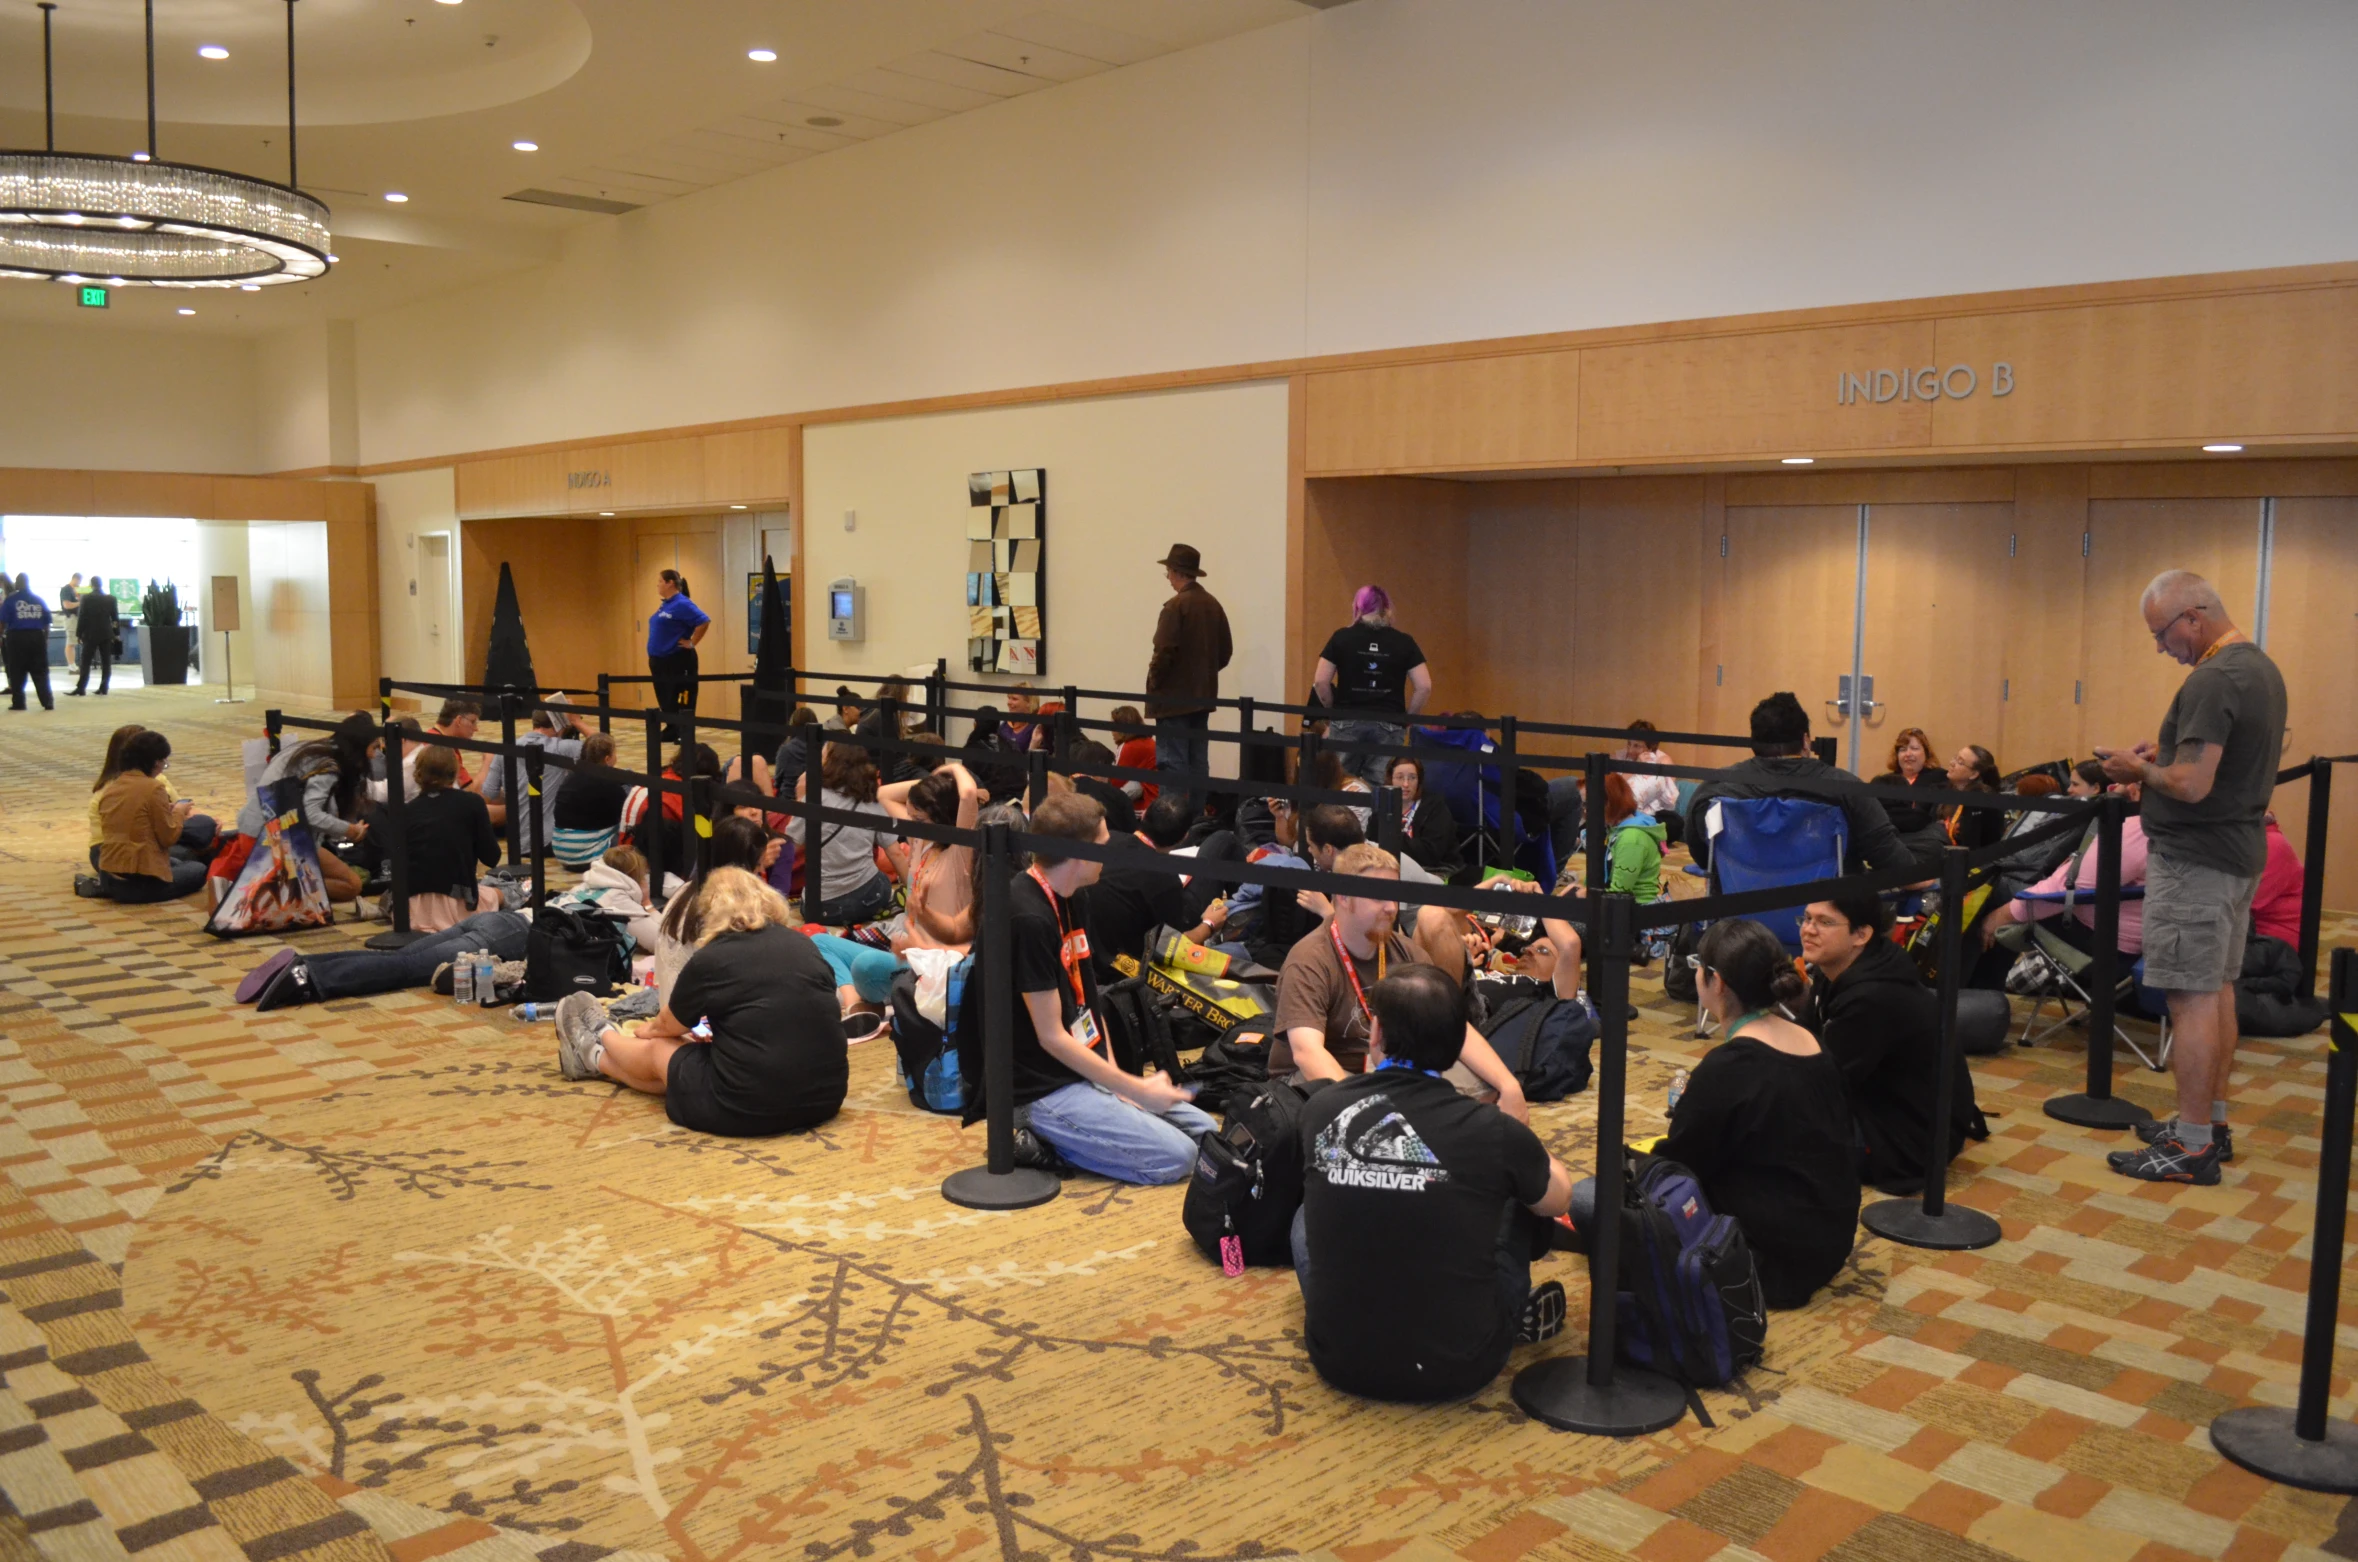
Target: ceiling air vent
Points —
{"points": [[578, 203]]}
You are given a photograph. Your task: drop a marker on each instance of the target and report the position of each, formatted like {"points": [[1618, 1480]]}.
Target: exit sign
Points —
{"points": [[94, 298]]}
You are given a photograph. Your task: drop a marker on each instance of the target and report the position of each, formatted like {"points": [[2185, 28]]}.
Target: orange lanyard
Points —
{"points": [[2221, 644], [1350, 971], [1065, 950]]}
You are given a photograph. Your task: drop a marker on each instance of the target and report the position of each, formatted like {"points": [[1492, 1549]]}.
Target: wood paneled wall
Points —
{"points": [[690, 470], [1406, 535]]}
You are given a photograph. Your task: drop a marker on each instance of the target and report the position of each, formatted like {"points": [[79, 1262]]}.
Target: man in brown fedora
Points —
{"points": [[1191, 645]]}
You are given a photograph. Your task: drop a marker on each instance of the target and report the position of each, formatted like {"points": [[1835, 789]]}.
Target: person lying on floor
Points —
{"points": [[1069, 1093], [291, 976], [1324, 1020], [1763, 1124], [140, 856], [1873, 1013], [446, 835], [1421, 1213], [616, 887], [775, 1060]]}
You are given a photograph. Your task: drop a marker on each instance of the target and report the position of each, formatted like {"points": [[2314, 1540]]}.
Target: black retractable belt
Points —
{"points": [[998, 1183]]}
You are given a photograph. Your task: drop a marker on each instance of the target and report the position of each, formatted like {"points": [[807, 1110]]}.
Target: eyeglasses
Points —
{"points": [[2161, 634], [1826, 924]]}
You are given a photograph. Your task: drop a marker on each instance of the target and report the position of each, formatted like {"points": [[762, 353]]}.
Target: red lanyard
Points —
{"points": [[1065, 950], [1351, 972]]}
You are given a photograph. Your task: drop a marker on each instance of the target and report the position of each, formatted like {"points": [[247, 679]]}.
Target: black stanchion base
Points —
{"points": [[395, 940], [2086, 1111], [2263, 1441], [978, 1187], [1954, 1230], [1557, 1391]]}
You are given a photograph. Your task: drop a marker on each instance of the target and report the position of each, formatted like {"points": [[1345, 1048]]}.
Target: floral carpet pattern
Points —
{"points": [[371, 1279]]}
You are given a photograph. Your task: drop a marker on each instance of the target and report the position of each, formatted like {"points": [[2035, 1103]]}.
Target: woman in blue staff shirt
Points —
{"points": [[671, 647]]}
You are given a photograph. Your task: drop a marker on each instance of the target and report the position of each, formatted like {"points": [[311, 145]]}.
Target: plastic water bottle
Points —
{"points": [[528, 1013], [1678, 1087], [462, 980], [485, 983]]}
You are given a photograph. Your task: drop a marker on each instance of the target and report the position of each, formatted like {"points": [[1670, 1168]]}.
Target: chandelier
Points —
{"points": [[141, 222]]}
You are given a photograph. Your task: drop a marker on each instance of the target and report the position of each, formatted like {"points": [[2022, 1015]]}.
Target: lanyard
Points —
{"points": [[1072, 964], [1746, 1018], [1358, 993], [2221, 644], [1430, 1073]]}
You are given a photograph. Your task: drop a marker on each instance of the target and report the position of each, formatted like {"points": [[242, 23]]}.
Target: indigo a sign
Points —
{"points": [[1930, 383]]}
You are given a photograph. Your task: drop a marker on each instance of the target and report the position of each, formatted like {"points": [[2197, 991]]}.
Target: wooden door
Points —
{"points": [[434, 616], [1787, 604], [1935, 633], [2128, 682], [2313, 634], [1639, 605]]}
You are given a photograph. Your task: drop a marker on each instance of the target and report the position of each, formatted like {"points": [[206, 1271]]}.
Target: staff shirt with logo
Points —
{"points": [[21, 612], [672, 623], [1406, 1186]]}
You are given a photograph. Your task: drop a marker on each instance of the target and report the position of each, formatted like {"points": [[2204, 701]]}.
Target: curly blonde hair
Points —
{"points": [[732, 900]]}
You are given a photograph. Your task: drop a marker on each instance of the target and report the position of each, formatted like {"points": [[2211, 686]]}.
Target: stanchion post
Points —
{"points": [[2302, 1447], [1387, 819], [650, 836], [937, 698], [605, 702], [510, 774], [813, 892], [395, 823], [2097, 1106], [1933, 1223], [270, 729], [1036, 792], [998, 1183], [535, 778], [1588, 1394], [2313, 868], [1510, 818], [1592, 827], [698, 806], [384, 700]]}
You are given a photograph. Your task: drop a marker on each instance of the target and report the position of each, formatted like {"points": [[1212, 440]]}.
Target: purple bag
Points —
{"points": [[1690, 1304]]}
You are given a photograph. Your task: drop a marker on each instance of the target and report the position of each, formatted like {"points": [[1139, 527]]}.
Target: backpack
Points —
{"points": [[1232, 1067], [572, 951], [927, 1054], [1543, 1038], [1690, 1305], [1248, 1178], [1138, 1025], [1678, 982]]}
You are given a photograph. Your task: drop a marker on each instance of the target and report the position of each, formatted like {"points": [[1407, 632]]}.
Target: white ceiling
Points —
{"points": [[634, 101]]}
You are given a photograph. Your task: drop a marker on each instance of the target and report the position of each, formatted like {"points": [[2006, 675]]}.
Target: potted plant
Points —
{"points": [[164, 643]]}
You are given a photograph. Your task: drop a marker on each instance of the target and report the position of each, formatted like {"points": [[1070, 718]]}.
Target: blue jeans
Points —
{"points": [[1370, 768], [1514, 1257], [137, 889], [354, 973], [1181, 749], [865, 969], [1100, 1132], [865, 904]]}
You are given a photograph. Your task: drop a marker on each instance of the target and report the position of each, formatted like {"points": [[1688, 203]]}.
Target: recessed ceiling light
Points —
{"points": [[608, 514], [764, 56], [823, 121], [395, 196], [2222, 450], [446, 2], [249, 287], [528, 146], [187, 311], [736, 507], [211, 51], [1799, 460]]}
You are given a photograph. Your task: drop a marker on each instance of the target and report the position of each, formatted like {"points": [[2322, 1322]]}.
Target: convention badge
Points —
{"points": [[1232, 1256], [1085, 1029]]}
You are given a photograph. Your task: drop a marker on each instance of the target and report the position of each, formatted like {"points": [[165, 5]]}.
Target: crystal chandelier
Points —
{"points": [[140, 222]]}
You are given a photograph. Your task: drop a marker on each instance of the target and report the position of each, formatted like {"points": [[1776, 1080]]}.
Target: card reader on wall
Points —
{"points": [[847, 610]]}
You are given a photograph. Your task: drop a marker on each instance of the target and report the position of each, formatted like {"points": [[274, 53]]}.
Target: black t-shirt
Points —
{"points": [[777, 1058], [591, 799], [1407, 1184], [1129, 901], [1036, 953], [1121, 815], [1769, 1135], [1372, 664]]}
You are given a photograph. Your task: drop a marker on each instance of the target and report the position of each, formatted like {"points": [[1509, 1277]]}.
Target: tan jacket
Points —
{"points": [[136, 812], [1191, 645]]}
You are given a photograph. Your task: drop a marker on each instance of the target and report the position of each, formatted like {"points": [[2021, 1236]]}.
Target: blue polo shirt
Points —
{"points": [[673, 622], [21, 610]]}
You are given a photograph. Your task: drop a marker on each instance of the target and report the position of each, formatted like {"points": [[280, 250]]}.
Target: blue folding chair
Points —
{"points": [[1766, 843]]}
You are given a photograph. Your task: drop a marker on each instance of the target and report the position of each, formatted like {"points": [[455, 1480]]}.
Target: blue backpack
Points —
{"points": [[1690, 1305], [925, 1054]]}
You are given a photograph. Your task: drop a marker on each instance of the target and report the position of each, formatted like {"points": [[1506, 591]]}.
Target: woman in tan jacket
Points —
{"points": [[141, 827]]}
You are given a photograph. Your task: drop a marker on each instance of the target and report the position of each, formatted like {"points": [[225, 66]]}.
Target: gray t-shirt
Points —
{"points": [[2236, 700]]}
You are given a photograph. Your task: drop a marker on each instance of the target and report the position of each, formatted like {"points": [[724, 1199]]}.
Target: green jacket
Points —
{"points": [[1633, 857]]}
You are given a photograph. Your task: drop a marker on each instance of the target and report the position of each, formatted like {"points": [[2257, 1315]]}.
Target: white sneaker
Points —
{"points": [[581, 1022]]}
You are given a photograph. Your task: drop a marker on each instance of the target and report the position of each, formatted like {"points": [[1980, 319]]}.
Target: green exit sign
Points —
{"points": [[94, 298]]}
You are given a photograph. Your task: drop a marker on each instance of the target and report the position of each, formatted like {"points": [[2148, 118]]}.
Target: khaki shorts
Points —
{"points": [[2196, 920]]}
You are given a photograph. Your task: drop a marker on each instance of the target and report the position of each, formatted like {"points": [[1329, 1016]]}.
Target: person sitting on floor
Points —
{"points": [[459, 718], [1656, 795], [587, 813], [1874, 1015], [447, 836], [1428, 830], [1069, 1094], [940, 876], [333, 772], [776, 1060], [852, 888], [140, 858], [197, 836], [794, 754], [615, 887], [1421, 1213], [1323, 1020], [1330, 772], [1132, 898], [736, 843], [1001, 770], [1330, 829], [1120, 816], [552, 733], [2276, 903], [1920, 824], [1763, 1123], [1136, 753], [688, 763], [1633, 843], [1782, 766]]}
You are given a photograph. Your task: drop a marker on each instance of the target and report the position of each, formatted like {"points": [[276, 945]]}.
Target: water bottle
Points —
{"points": [[486, 983], [1678, 1087], [462, 980], [528, 1013]]}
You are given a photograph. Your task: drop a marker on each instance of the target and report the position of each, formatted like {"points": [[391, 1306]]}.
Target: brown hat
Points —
{"points": [[1184, 559]]}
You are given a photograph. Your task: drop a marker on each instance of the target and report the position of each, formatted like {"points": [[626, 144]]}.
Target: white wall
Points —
{"points": [[98, 395], [221, 550], [1127, 477], [409, 505], [305, 412]]}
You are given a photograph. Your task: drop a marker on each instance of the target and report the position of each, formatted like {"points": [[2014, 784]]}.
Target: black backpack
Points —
{"points": [[1678, 982], [570, 952], [1543, 1038], [1248, 1178], [1232, 1067], [1138, 1024]]}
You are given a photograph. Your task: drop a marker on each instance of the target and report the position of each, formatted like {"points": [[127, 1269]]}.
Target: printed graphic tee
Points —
{"points": [[1372, 663], [1408, 1185]]}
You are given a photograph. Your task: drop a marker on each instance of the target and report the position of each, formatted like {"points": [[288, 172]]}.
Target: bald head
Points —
{"points": [[2176, 591]]}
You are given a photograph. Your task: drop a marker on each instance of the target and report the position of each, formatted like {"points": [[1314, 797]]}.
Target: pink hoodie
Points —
{"points": [[2132, 938]]}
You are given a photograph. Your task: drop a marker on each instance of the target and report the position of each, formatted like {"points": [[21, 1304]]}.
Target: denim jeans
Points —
{"points": [[1101, 1132], [354, 973], [1370, 768], [1514, 1257], [1181, 748], [137, 889], [865, 904], [861, 967]]}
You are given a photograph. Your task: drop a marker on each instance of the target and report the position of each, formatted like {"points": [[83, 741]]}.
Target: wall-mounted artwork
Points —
{"points": [[1007, 572]]}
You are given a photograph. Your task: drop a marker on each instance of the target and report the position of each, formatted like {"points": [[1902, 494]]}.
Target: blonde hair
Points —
{"points": [[734, 901], [627, 861], [1366, 857]]}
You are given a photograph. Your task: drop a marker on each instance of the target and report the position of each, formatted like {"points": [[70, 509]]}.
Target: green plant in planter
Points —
{"points": [[160, 608]]}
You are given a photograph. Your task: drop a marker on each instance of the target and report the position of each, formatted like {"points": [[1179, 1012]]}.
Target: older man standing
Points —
{"points": [[1191, 645], [2207, 785]]}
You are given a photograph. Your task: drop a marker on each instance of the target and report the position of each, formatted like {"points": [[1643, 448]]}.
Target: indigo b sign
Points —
{"points": [[1929, 383]]}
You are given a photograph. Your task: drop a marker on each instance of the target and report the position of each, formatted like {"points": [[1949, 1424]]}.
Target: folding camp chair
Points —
{"points": [[2065, 968], [1767, 842]]}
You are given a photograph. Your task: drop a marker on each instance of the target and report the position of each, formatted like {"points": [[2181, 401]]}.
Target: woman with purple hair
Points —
{"points": [[1374, 678]]}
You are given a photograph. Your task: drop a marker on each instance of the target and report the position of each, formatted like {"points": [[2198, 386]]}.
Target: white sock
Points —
{"points": [[2218, 1112]]}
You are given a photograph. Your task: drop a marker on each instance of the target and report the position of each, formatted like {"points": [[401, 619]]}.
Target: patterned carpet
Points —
{"points": [[371, 1278]]}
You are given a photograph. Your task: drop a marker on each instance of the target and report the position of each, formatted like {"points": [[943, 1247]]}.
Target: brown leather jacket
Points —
{"points": [[1191, 645]]}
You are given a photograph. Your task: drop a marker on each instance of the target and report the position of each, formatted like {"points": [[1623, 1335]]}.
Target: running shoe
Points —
{"points": [[2167, 1128], [2169, 1160], [581, 1022], [1543, 1314]]}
